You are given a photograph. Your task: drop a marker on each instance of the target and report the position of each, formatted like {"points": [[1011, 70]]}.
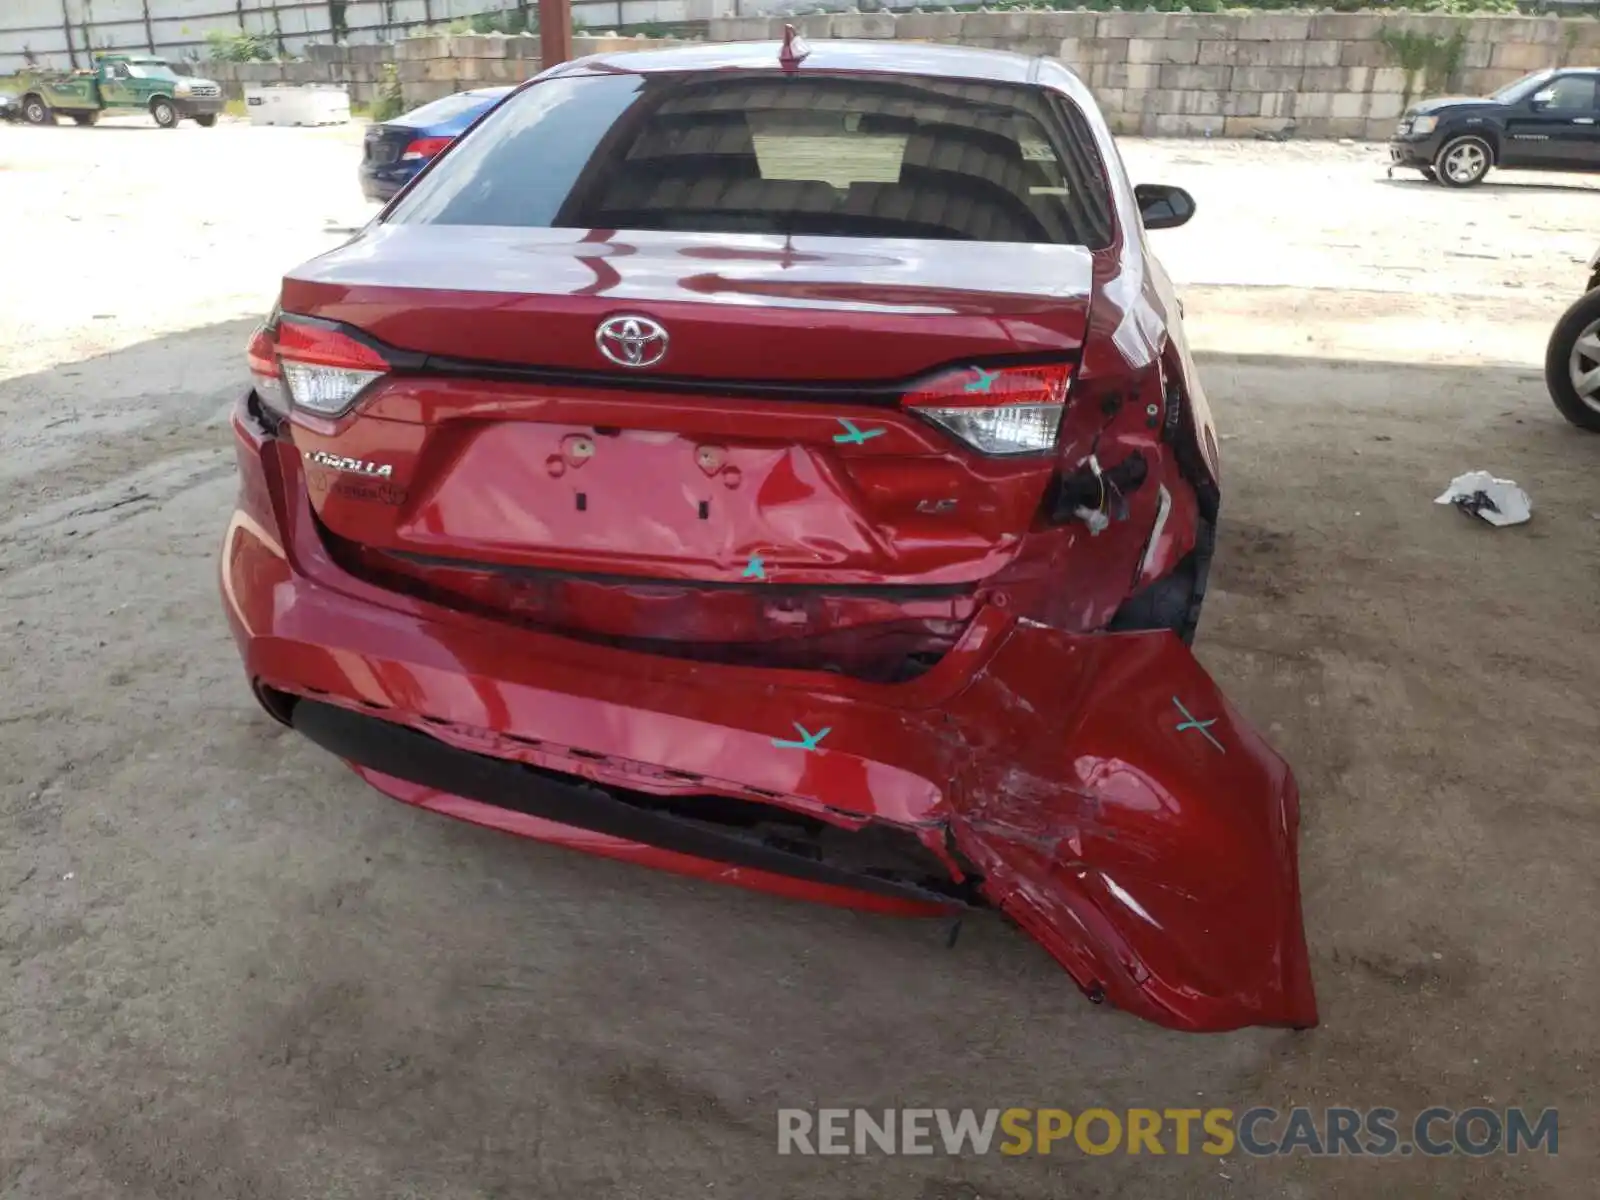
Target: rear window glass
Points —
{"points": [[849, 156], [448, 109]]}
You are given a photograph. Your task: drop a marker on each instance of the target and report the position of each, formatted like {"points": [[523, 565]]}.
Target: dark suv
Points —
{"points": [[1546, 121]]}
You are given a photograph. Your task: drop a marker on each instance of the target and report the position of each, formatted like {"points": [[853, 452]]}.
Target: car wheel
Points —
{"points": [[165, 114], [1572, 363], [88, 118], [36, 112], [206, 120], [1463, 161]]}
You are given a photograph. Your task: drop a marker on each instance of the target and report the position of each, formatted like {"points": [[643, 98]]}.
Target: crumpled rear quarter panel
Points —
{"points": [[1130, 819]]}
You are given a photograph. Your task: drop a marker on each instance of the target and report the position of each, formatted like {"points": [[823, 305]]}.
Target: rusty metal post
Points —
{"points": [[555, 32], [66, 25]]}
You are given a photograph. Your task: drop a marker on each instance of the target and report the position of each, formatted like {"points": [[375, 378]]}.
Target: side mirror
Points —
{"points": [[1163, 207], [1540, 99]]}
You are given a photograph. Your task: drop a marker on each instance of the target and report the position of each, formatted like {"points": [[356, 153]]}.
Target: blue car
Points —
{"points": [[396, 150]]}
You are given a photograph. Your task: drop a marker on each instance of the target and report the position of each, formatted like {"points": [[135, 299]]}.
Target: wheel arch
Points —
{"points": [[1486, 134], [1491, 135]]}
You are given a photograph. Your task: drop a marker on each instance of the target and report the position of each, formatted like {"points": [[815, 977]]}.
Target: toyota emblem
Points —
{"points": [[632, 341]]}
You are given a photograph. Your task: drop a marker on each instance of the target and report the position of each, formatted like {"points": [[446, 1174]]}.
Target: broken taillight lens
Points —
{"points": [[324, 369], [998, 411]]}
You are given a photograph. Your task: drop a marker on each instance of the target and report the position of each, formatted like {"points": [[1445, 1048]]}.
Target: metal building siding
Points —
{"points": [[178, 28]]}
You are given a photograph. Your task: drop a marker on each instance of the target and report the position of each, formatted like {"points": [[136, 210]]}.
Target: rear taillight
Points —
{"points": [[422, 149], [313, 367], [1000, 410], [262, 356]]}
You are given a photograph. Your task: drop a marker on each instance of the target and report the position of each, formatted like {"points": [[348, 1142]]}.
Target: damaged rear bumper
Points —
{"points": [[1097, 789]]}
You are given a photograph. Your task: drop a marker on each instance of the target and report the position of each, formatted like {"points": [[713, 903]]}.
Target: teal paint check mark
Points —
{"points": [[755, 570], [1203, 726], [853, 435], [808, 740], [984, 382]]}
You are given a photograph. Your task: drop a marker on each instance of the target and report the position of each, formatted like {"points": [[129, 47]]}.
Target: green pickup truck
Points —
{"points": [[121, 83]]}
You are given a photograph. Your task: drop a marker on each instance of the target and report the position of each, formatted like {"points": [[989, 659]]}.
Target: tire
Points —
{"points": [[1572, 363], [206, 120], [36, 112], [88, 118], [1463, 162], [165, 112]]}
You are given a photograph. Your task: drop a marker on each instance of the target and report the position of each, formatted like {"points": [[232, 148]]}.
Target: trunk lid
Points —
{"points": [[745, 309], [767, 449], [384, 144]]}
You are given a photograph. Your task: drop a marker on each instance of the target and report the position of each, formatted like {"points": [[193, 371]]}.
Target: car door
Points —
{"points": [[1558, 128], [116, 86]]}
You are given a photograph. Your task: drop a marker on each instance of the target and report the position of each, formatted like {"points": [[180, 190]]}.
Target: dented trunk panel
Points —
{"points": [[723, 480], [524, 475]]}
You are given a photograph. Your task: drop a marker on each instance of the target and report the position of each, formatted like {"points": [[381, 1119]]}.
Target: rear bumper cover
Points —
{"points": [[1098, 788], [382, 184], [389, 749]]}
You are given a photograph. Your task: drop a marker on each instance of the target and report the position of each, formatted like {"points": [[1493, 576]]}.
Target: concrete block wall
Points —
{"points": [[1158, 74], [1230, 74], [435, 66], [428, 68]]}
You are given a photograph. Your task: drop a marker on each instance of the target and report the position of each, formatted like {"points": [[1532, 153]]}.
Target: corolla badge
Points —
{"points": [[356, 466], [631, 341]]}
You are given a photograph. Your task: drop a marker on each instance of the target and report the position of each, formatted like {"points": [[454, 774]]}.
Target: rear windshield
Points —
{"points": [[436, 112], [846, 156]]}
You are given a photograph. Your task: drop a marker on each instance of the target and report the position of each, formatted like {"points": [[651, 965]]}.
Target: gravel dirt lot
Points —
{"points": [[234, 971]]}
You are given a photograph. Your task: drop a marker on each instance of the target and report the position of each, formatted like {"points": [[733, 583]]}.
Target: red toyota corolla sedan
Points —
{"points": [[781, 465]]}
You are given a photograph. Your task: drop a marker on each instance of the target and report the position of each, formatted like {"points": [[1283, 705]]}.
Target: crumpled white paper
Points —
{"points": [[1480, 494]]}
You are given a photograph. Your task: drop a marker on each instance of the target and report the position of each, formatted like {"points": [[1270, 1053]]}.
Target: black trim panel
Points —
{"points": [[885, 393], [879, 394], [407, 754]]}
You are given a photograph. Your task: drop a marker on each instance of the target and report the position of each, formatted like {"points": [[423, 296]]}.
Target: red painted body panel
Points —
{"points": [[536, 574], [686, 488], [1156, 863], [808, 308]]}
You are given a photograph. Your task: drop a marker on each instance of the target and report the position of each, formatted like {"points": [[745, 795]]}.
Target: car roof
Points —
{"points": [[918, 58]]}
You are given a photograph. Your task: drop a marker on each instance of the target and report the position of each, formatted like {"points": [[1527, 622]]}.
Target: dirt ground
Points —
{"points": [[234, 971]]}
